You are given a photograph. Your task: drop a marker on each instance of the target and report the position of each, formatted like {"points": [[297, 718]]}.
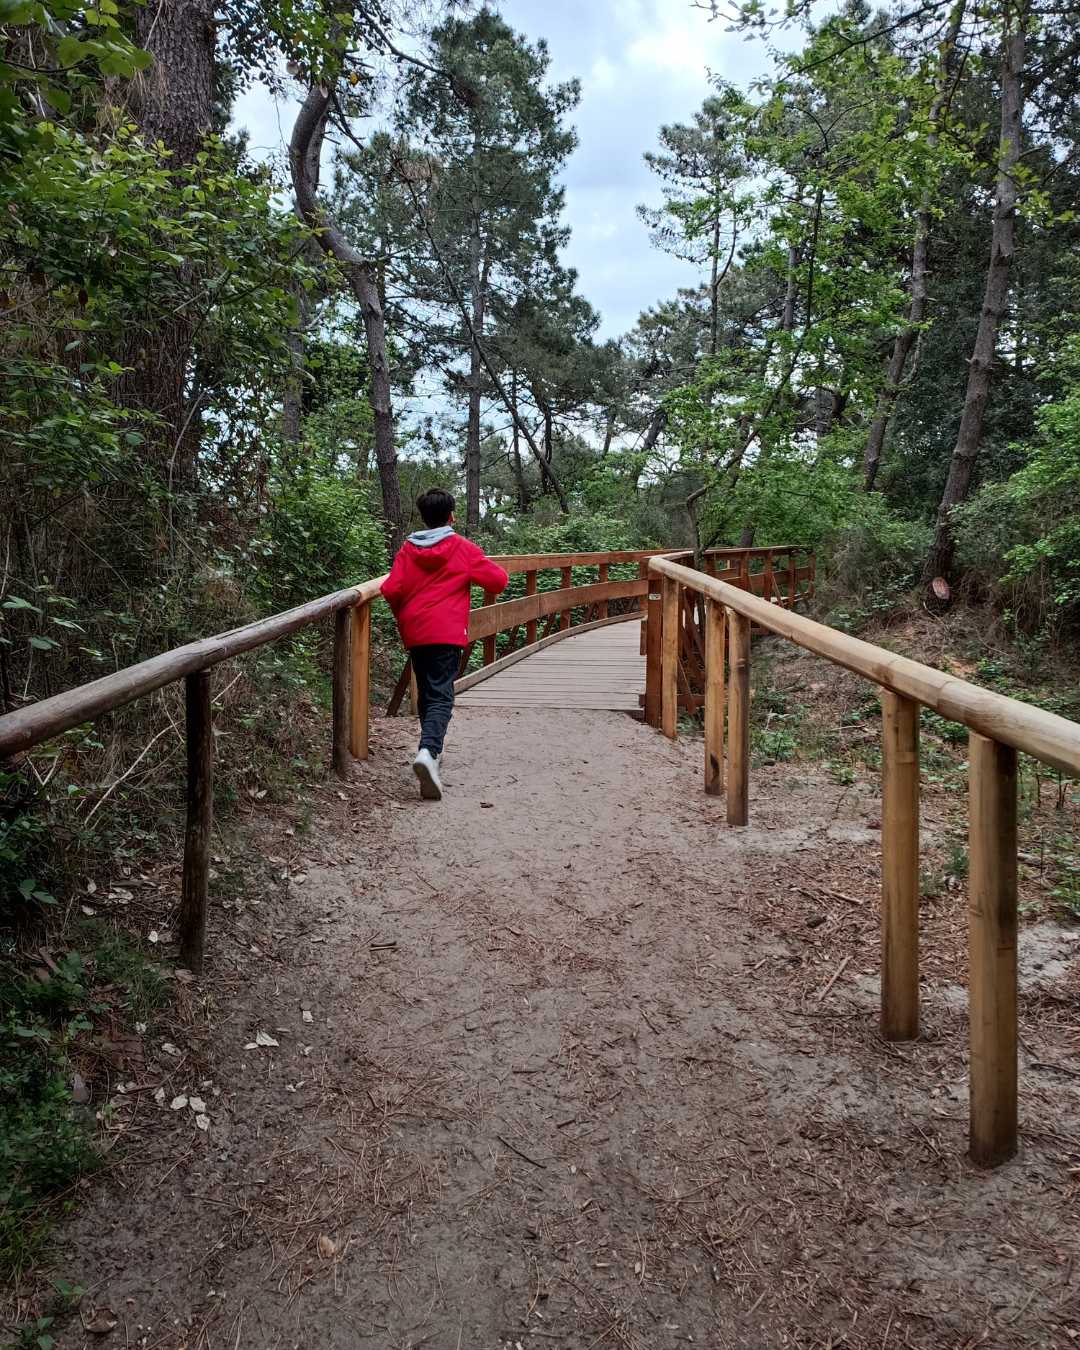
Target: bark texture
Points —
{"points": [[918, 292], [172, 103], [363, 281], [1002, 247]]}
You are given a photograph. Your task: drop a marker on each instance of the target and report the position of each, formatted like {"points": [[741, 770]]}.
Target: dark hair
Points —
{"points": [[436, 506]]}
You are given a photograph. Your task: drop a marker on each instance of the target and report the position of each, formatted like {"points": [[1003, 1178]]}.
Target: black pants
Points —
{"points": [[436, 668]]}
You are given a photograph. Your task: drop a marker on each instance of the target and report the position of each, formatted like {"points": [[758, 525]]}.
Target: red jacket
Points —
{"points": [[428, 589]]}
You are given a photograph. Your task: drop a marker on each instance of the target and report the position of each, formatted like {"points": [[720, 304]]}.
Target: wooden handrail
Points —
{"points": [[998, 727], [26, 727], [515, 563], [1052, 739]]}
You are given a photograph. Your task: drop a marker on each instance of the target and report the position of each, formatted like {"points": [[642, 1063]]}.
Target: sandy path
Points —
{"points": [[590, 1097]]}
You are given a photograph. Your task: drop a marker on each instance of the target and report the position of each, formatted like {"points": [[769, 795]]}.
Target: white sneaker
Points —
{"points": [[426, 768]]}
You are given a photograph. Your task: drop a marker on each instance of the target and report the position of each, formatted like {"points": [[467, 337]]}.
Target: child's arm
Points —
{"points": [[488, 574]]}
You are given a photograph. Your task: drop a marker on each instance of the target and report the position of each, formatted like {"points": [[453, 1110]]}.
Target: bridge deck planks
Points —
{"points": [[602, 669]]}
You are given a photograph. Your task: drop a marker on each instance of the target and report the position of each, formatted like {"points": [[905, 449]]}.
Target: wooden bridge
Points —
{"points": [[654, 634]]}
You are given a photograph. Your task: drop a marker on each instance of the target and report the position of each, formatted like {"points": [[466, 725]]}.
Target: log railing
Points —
{"points": [[783, 576], [998, 728], [351, 608]]}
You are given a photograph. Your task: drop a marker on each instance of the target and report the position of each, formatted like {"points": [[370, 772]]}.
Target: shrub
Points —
{"points": [[321, 534]]}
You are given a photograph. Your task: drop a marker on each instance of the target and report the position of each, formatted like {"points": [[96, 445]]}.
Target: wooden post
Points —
{"points": [[567, 581], [992, 945], [669, 658], [360, 682], [603, 606], [654, 618], [792, 584], [645, 575], [489, 641], [200, 819], [714, 698], [738, 781], [414, 696], [899, 868], [767, 583], [530, 589], [342, 644]]}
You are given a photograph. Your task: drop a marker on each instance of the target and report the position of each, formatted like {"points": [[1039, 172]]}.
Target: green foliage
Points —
{"points": [[321, 534], [44, 1138], [1031, 521], [579, 533], [774, 745]]}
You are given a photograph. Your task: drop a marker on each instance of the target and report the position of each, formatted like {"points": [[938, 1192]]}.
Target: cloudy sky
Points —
{"points": [[641, 63]]}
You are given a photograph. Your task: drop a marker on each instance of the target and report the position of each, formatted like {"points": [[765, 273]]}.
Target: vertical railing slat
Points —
{"points": [[567, 581], [489, 642], [530, 589]]}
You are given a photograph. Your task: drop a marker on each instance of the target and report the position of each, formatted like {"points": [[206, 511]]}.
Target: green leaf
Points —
{"points": [[17, 602], [15, 11], [70, 51], [43, 644]]}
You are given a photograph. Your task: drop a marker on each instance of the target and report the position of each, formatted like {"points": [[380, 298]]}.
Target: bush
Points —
{"points": [[44, 1139], [573, 534], [321, 534], [874, 548]]}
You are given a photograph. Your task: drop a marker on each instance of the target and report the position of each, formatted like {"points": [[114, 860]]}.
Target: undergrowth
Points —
{"points": [[805, 710]]}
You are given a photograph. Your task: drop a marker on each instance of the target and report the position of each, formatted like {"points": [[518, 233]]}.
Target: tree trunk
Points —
{"points": [[292, 400], [609, 432], [476, 295], [172, 102], [714, 285], [519, 472], [362, 277], [656, 425], [916, 309], [173, 99], [1002, 246]]}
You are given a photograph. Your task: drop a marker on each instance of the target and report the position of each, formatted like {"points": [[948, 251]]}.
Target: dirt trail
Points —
{"points": [[591, 1096]]}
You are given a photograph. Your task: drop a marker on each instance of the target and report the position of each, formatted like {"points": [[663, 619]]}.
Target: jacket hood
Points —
{"points": [[429, 538], [432, 554]]}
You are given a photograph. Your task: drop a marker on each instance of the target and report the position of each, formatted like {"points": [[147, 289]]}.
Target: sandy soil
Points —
{"points": [[556, 1065]]}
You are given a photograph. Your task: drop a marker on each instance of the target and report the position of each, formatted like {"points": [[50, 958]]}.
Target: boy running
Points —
{"points": [[428, 591]]}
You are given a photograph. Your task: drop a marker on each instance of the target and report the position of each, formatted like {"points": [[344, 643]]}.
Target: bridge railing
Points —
{"points": [[781, 575], [998, 728], [547, 614]]}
